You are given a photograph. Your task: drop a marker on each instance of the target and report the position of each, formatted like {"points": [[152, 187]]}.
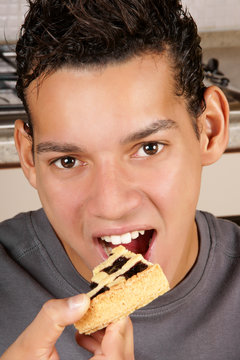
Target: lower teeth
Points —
{"points": [[107, 249]]}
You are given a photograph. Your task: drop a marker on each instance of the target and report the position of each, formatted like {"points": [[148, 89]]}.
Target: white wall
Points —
{"points": [[16, 194], [220, 192], [11, 18], [213, 15]]}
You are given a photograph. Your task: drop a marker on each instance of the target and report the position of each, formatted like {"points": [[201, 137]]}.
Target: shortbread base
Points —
{"points": [[122, 299]]}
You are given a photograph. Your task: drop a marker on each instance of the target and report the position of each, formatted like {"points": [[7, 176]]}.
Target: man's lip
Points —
{"points": [[147, 256]]}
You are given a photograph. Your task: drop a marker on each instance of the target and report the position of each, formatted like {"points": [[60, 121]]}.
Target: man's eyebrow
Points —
{"points": [[158, 125], [49, 146], [163, 124]]}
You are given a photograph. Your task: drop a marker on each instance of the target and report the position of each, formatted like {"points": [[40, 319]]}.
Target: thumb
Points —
{"points": [[39, 338], [56, 314], [117, 342]]}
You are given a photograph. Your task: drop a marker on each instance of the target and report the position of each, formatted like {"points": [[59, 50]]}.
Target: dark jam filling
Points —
{"points": [[102, 290], [137, 268], [93, 285], [116, 265]]}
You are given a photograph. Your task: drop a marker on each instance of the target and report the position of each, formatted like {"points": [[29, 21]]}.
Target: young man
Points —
{"points": [[120, 126]]}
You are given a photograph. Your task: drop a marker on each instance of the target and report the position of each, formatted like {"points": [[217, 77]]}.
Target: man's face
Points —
{"points": [[115, 154]]}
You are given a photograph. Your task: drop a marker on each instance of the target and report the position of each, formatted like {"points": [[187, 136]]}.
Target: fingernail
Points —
{"points": [[78, 301]]}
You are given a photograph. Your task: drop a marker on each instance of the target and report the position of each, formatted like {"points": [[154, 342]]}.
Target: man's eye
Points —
{"points": [[66, 162], [148, 149]]}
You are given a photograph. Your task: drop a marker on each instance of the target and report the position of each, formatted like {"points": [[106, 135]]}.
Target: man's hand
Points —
{"points": [[38, 340], [113, 343]]}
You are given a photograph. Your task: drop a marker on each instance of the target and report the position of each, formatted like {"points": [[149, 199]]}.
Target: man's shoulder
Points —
{"points": [[17, 233], [225, 233]]}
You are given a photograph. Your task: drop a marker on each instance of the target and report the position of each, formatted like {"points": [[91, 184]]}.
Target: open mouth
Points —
{"points": [[136, 241]]}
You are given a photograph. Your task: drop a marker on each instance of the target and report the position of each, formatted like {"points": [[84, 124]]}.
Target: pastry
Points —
{"points": [[120, 285]]}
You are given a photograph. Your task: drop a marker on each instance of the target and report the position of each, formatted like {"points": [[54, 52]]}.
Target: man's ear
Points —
{"points": [[23, 143], [213, 125]]}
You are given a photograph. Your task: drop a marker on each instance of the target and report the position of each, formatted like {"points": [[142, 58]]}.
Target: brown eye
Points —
{"points": [[149, 149], [66, 162]]}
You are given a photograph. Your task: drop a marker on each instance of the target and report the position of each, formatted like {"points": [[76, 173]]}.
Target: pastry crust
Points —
{"points": [[124, 296]]}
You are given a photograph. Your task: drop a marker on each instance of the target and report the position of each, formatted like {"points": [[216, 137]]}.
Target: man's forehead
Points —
{"points": [[132, 96]]}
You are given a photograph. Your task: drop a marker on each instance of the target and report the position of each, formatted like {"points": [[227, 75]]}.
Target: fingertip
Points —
{"points": [[124, 321], [80, 302], [120, 325]]}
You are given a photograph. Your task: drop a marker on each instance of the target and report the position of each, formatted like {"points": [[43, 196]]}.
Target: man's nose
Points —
{"points": [[114, 194]]}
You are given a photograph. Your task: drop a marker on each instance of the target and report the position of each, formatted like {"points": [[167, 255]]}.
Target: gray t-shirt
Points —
{"points": [[198, 319]]}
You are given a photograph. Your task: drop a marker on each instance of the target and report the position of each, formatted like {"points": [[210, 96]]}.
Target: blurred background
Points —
{"points": [[219, 26]]}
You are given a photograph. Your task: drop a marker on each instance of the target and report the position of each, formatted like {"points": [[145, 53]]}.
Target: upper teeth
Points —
{"points": [[124, 238]]}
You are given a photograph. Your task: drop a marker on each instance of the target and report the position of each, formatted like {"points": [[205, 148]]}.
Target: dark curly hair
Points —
{"points": [[82, 33]]}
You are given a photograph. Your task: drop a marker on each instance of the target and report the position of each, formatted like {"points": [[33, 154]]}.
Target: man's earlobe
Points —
{"points": [[213, 124], [23, 143]]}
